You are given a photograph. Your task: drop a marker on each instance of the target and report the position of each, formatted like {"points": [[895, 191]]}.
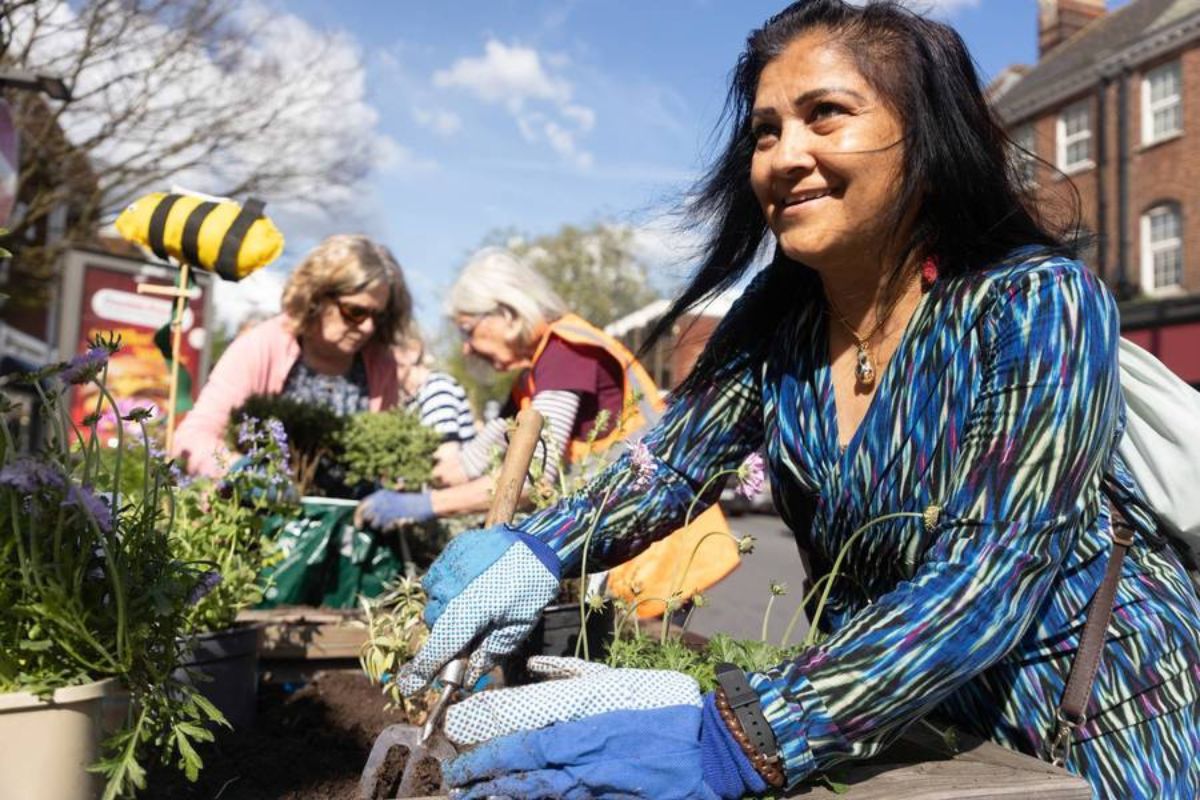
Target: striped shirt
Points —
{"points": [[442, 405]]}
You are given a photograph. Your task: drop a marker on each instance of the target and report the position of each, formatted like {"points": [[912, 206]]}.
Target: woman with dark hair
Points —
{"points": [[920, 349]]}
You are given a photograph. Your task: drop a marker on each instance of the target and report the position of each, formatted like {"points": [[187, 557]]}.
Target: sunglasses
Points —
{"points": [[355, 315]]}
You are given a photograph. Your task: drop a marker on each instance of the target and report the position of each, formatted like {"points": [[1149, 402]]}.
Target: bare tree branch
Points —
{"points": [[199, 92]]}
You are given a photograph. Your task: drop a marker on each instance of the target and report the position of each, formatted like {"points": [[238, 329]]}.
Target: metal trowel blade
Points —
{"points": [[408, 736]]}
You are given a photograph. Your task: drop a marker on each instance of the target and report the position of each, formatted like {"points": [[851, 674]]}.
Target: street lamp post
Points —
{"points": [[49, 85]]}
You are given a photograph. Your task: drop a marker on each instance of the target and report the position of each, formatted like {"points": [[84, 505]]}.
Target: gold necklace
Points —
{"points": [[864, 367]]}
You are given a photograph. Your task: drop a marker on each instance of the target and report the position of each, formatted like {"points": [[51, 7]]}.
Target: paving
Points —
{"points": [[736, 605]]}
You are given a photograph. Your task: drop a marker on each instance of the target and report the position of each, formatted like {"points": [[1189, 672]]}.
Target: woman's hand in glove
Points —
{"points": [[485, 592], [386, 510], [591, 732]]}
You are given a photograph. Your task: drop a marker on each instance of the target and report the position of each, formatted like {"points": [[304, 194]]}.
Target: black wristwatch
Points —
{"points": [[747, 708]]}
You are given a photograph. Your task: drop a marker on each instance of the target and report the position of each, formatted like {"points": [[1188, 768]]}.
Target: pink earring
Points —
{"points": [[929, 271]]}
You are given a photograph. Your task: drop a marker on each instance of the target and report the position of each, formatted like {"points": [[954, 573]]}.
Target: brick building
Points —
{"points": [[1113, 104]]}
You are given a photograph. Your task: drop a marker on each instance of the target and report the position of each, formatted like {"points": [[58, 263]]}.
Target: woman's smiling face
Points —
{"points": [[828, 155]]}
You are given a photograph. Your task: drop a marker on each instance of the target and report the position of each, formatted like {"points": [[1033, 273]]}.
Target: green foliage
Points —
{"points": [[312, 431], [218, 531], [88, 582], [594, 269], [4, 253], [391, 447], [395, 631], [639, 651]]}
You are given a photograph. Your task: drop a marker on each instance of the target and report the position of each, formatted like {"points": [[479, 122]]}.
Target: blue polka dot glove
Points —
{"points": [[486, 591], [596, 732]]}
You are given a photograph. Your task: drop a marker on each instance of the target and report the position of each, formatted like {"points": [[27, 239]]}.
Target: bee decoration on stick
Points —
{"points": [[197, 232]]}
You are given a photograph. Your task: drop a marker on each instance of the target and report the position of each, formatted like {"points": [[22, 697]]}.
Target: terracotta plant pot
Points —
{"points": [[229, 661], [48, 745]]}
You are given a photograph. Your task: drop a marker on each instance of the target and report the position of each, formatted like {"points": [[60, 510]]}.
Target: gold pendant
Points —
{"points": [[864, 370]]}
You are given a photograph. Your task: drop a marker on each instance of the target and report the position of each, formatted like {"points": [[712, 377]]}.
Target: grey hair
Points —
{"points": [[495, 279]]}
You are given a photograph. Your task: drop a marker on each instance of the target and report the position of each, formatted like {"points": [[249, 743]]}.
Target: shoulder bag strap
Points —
{"points": [[1072, 707]]}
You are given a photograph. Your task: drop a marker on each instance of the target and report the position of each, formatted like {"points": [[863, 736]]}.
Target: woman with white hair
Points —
{"points": [[587, 385]]}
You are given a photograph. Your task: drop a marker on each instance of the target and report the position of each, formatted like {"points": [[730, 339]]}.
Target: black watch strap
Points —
{"points": [[747, 708]]}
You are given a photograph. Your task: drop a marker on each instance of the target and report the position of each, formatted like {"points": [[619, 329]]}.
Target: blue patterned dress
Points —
{"points": [[1001, 406]]}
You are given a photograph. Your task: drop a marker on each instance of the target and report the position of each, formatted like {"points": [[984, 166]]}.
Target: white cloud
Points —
{"points": [[393, 157], [257, 294], [439, 120], [517, 78], [563, 142], [509, 75], [583, 116], [668, 249], [937, 8]]}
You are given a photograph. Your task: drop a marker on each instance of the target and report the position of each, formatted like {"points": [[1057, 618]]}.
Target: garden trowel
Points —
{"points": [[427, 742]]}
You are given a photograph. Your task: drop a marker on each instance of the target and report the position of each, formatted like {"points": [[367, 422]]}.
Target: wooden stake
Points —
{"points": [[176, 345], [180, 293]]}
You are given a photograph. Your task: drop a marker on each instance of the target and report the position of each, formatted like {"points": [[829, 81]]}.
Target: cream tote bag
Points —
{"points": [[1161, 444]]}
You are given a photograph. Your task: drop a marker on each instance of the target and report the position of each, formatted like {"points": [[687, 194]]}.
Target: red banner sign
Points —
{"points": [[137, 373]]}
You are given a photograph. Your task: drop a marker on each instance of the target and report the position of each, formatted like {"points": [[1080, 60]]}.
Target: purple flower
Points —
{"points": [[27, 475], [85, 367], [279, 434], [85, 500], [643, 466], [751, 476], [208, 581]]}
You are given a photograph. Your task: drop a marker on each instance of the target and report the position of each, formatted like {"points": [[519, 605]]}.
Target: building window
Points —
{"points": [[1024, 155], [1162, 103], [1162, 249], [1075, 137]]}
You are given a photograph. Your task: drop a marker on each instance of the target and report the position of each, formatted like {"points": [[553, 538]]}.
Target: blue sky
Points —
{"points": [[529, 114]]}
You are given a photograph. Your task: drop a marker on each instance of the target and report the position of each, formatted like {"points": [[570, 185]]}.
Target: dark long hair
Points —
{"points": [[959, 190]]}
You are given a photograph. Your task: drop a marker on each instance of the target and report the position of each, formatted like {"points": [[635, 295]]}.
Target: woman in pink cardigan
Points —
{"points": [[344, 306]]}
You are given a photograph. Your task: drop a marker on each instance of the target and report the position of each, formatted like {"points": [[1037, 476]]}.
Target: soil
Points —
{"points": [[309, 744]]}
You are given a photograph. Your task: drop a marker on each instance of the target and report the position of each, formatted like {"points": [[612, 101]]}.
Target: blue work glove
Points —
{"points": [[594, 732], [485, 593], [386, 510]]}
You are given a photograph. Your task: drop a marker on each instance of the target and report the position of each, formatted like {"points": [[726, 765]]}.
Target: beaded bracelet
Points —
{"points": [[767, 768]]}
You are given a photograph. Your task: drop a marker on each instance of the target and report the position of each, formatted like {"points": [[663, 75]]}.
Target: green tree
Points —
{"points": [[595, 269]]}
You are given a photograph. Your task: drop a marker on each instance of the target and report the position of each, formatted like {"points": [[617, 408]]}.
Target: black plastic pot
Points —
{"points": [[557, 634], [228, 659]]}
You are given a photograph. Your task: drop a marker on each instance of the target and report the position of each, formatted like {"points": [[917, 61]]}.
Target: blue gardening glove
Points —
{"points": [[485, 593], [386, 510], [595, 732]]}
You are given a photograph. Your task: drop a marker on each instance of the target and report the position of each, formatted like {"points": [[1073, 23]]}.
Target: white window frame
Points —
{"points": [[1150, 249], [1025, 154], [1064, 143], [1151, 107]]}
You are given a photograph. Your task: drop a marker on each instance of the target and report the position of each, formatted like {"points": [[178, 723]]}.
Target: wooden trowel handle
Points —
{"points": [[517, 458]]}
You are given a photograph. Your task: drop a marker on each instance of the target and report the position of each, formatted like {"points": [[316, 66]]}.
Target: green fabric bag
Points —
{"points": [[326, 561]]}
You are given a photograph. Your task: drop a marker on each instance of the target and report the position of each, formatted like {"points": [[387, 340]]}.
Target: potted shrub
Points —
{"points": [[94, 602], [218, 529], [323, 559]]}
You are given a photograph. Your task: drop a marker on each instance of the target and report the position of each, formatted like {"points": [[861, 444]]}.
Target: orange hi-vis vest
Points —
{"points": [[641, 401], [656, 575]]}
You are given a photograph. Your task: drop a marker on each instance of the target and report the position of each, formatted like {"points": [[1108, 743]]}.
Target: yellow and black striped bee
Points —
{"points": [[213, 235]]}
